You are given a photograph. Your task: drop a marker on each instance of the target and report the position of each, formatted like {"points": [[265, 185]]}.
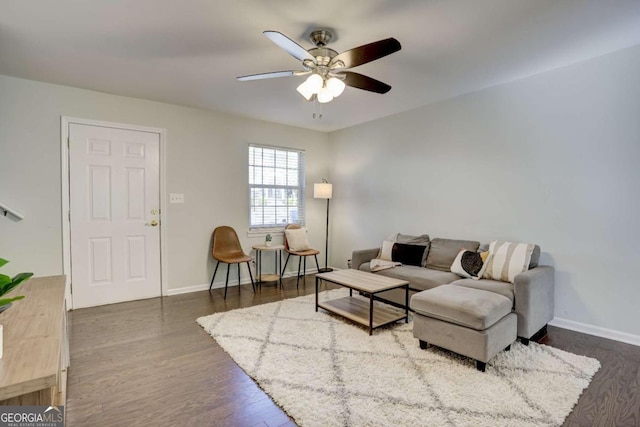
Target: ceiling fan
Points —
{"points": [[327, 68]]}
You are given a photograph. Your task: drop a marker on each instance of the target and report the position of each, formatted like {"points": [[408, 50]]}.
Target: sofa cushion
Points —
{"points": [[502, 288], [408, 254], [444, 251], [473, 308], [507, 259], [419, 278], [422, 240]]}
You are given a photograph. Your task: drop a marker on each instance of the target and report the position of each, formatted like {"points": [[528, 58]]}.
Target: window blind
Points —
{"points": [[276, 186]]}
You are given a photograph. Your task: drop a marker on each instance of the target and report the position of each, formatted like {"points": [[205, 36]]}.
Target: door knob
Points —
{"points": [[154, 223]]}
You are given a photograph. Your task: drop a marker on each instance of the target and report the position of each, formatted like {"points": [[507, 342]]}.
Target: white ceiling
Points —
{"points": [[189, 52]]}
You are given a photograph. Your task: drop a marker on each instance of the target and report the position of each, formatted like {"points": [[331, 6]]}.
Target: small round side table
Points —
{"points": [[277, 277]]}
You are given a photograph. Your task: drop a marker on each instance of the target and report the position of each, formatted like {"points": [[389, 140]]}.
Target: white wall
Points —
{"points": [[552, 159], [207, 161]]}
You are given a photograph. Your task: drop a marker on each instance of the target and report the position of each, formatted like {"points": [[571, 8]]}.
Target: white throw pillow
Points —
{"points": [[507, 259], [297, 239], [385, 252]]}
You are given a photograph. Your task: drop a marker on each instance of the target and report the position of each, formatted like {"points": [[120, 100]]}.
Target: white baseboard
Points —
{"points": [[188, 289], [217, 285], [596, 331]]}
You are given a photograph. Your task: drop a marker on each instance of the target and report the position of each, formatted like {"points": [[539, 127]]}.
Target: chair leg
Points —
{"points": [[251, 277], [304, 270], [298, 277], [285, 265], [226, 282], [317, 265], [239, 282], [214, 275]]}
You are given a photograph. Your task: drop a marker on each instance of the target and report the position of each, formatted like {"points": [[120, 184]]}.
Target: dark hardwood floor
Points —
{"points": [[148, 363]]}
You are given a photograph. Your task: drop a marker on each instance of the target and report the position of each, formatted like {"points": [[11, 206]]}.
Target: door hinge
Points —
{"points": [[69, 215], [68, 142], [71, 288]]}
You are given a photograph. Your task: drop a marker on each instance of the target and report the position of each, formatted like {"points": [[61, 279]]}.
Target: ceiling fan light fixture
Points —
{"points": [[314, 82], [324, 95], [335, 86], [305, 90]]}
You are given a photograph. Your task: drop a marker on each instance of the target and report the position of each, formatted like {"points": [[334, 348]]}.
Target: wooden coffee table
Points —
{"points": [[357, 309]]}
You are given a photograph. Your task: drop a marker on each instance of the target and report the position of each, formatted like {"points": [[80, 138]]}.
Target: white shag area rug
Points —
{"points": [[326, 371]]}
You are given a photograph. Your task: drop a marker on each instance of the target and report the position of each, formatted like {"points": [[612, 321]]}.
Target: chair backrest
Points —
{"points": [[289, 227], [225, 242]]}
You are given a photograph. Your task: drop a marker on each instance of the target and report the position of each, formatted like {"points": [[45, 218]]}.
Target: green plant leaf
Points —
{"points": [[4, 301], [3, 262], [21, 277], [4, 283], [17, 279]]}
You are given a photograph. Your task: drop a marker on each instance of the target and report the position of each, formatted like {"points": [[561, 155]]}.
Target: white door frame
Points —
{"points": [[65, 122]]}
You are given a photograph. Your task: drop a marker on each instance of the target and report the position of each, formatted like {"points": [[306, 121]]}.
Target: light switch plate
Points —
{"points": [[176, 198]]}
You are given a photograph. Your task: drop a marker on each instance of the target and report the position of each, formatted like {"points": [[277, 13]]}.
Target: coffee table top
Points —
{"points": [[362, 280]]}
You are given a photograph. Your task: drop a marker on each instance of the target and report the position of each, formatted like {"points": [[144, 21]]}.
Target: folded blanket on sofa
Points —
{"points": [[382, 264]]}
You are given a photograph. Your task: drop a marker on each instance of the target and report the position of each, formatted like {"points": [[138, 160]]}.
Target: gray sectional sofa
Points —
{"points": [[531, 294]]}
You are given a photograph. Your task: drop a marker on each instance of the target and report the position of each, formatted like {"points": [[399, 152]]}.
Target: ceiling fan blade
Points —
{"points": [[365, 83], [271, 75], [367, 53], [293, 48]]}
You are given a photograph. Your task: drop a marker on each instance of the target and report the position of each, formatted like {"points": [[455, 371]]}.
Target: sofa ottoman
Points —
{"points": [[472, 322]]}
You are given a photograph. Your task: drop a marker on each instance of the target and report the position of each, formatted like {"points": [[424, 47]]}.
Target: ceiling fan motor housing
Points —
{"points": [[323, 55], [320, 38]]}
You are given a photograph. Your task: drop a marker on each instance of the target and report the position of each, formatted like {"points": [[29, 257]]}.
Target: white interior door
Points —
{"points": [[114, 187]]}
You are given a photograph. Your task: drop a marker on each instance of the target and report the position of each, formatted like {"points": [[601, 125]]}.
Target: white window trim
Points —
{"points": [[257, 231]]}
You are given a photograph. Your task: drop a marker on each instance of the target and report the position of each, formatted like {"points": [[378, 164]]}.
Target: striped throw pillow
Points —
{"points": [[507, 259]]}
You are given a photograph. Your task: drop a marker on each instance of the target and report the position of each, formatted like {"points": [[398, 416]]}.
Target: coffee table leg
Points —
{"points": [[370, 313], [406, 303], [317, 282]]}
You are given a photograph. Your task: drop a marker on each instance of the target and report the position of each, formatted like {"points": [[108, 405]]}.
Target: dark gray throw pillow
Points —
{"points": [[408, 254]]}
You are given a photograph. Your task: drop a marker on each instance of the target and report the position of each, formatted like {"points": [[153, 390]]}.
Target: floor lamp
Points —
{"points": [[324, 190]]}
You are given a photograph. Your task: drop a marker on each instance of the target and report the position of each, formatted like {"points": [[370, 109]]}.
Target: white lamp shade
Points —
{"points": [[314, 82], [324, 95], [335, 86], [322, 190], [305, 90]]}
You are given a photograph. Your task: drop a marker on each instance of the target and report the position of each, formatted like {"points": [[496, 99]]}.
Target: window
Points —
{"points": [[276, 186]]}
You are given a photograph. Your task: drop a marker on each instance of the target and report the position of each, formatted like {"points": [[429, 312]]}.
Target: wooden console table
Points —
{"points": [[33, 369]]}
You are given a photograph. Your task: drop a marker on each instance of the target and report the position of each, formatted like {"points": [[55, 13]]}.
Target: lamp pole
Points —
{"points": [[324, 190], [326, 245]]}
